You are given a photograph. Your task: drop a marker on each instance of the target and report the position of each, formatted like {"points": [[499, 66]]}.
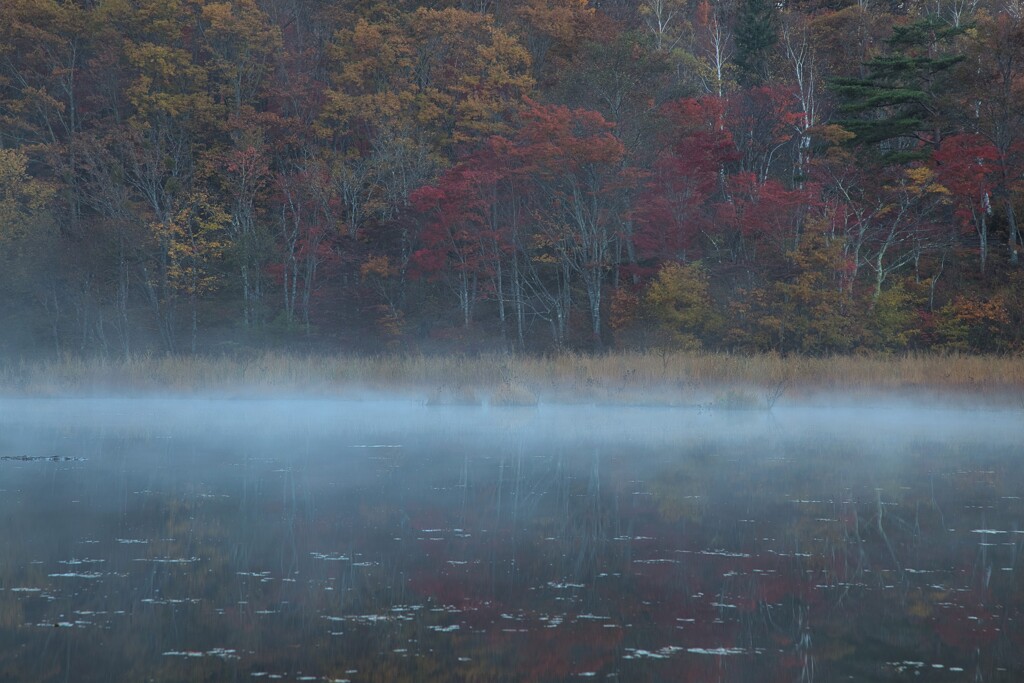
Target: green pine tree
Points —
{"points": [[757, 31], [899, 103]]}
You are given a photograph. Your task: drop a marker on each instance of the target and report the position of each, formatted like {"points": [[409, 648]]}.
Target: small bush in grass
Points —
{"points": [[450, 395], [736, 399], [510, 394]]}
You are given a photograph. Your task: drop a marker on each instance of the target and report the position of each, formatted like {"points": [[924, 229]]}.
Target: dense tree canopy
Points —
{"points": [[199, 176]]}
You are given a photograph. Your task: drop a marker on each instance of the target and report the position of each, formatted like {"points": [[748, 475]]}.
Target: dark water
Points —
{"points": [[247, 541]]}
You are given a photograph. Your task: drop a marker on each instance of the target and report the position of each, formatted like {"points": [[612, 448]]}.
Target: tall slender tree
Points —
{"points": [[756, 33]]}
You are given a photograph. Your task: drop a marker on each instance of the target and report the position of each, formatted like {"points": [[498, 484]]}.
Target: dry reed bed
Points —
{"points": [[634, 378]]}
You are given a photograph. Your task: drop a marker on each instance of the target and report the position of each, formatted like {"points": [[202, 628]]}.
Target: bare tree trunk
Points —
{"points": [[122, 296], [499, 291], [1014, 243], [195, 324], [517, 295], [981, 223]]}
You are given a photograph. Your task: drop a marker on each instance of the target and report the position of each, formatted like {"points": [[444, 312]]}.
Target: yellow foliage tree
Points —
{"points": [[893, 320], [816, 309], [812, 311], [196, 238], [407, 92], [22, 198], [679, 308], [242, 42], [974, 324]]}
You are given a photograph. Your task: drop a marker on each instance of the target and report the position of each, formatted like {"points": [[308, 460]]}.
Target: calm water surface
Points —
{"points": [[327, 541]]}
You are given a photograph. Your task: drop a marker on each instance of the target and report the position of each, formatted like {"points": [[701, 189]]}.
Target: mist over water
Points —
{"points": [[385, 541]]}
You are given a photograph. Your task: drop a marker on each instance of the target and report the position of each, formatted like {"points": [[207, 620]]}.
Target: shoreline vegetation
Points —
{"points": [[199, 176], [713, 380]]}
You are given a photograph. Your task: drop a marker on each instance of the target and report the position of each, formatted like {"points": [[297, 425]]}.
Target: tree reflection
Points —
{"points": [[774, 560]]}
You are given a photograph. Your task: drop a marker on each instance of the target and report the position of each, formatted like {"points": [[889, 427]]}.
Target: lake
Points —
{"points": [[182, 540]]}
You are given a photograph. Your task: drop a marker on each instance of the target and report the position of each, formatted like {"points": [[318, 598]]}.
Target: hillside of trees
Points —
{"points": [[813, 176]]}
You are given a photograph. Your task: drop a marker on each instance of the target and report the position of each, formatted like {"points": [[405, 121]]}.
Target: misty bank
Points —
{"points": [[683, 379]]}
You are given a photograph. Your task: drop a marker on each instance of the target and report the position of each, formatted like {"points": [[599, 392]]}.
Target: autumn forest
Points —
{"points": [[812, 176]]}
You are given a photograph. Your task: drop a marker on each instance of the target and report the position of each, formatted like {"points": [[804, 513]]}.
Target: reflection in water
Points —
{"points": [[363, 542]]}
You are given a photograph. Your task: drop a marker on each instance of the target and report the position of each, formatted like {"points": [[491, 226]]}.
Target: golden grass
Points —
{"points": [[623, 378]]}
